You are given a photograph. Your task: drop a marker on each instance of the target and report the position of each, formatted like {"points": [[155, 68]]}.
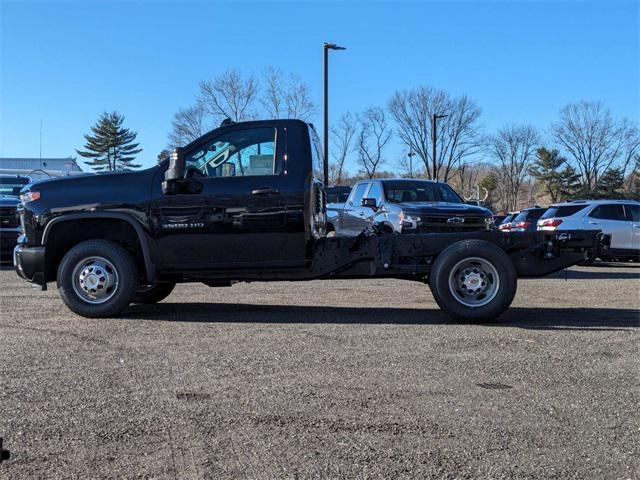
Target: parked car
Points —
{"points": [[527, 220], [338, 193], [497, 219], [407, 206], [505, 225], [10, 230], [618, 218]]}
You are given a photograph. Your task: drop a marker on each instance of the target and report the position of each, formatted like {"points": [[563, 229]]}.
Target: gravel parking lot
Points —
{"points": [[325, 379]]}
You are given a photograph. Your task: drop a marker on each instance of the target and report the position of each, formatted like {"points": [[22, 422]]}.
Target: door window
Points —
{"points": [[608, 212], [358, 192], [375, 192], [239, 153], [633, 212]]}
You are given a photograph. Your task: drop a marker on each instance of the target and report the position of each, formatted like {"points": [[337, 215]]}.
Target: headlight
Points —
{"points": [[407, 221], [29, 196], [490, 224]]}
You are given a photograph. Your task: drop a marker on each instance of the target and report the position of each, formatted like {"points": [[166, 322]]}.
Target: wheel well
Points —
{"points": [[67, 234]]}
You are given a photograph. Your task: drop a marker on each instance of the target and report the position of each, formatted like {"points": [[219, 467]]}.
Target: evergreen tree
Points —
{"points": [[558, 184], [611, 183], [111, 146]]}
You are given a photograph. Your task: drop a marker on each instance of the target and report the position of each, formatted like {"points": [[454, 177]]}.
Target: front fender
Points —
{"points": [[143, 237]]}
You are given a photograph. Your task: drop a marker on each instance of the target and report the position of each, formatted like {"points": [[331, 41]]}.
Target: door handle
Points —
{"points": [[264, 191], [591, 222], [636, 226], [361, 214]]}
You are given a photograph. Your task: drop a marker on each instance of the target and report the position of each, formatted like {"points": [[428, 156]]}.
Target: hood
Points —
{"points": [[91, 192], [9, 201], [443, 208]]}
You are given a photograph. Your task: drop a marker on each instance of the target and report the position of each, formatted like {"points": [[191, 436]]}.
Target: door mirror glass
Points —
{"points": [[174, 173], [370, 203]]}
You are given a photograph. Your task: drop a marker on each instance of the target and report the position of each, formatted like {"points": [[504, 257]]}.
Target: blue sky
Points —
{"points": [[65, 63]]}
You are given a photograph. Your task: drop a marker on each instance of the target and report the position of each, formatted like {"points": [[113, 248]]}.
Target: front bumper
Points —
{"points": [[29, 263]]}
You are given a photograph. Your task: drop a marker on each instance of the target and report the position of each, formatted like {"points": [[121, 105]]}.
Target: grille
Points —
{"points": [[9, 217], [442, 223]]}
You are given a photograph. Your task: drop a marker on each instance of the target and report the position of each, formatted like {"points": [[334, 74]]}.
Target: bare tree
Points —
{"points": [[229, 95], [342, 139], [514, 147], [286, 98], [373, 135], [457, 134], [187, 125], [594, 141]]}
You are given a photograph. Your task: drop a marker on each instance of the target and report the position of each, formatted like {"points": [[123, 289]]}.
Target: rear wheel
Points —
{"points": [[97, 278], [473, 280], [153, 293]]}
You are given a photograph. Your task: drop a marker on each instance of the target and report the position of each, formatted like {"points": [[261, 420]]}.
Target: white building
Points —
{"points": [[40, 168]]}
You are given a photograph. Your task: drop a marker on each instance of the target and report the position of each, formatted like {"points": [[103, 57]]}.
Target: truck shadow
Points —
{"points": [[529, 318], [595, 275]]}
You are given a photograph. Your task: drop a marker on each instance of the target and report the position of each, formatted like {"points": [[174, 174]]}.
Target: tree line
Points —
{"points": [[586, 152]]}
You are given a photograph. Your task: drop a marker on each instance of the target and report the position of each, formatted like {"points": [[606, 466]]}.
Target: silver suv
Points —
{"points": [[618, 218]]}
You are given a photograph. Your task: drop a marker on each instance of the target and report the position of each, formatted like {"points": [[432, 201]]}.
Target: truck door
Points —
{"points": [[229, 210], [353, 221]]}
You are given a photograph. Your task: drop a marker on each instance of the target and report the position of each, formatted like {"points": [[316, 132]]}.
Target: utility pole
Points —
{"points": [[434, 119], [325, 74]]}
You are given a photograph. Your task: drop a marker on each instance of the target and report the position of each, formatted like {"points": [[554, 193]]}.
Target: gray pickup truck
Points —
{"points": [[405, 206]]}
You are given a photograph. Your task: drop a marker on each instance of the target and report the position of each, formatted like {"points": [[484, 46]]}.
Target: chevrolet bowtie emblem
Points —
{"points": [[455, 220]]}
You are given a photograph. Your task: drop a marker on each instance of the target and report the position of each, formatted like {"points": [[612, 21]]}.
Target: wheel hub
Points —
{"points": [[95, 279], [474, 282]]}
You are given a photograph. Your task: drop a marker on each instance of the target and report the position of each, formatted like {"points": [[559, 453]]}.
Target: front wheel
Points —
{"points": [[473, 280], [153, 293], [97, 278]]}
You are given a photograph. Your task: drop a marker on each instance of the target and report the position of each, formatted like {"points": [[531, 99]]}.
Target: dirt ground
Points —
{"points": [[325, 379]]}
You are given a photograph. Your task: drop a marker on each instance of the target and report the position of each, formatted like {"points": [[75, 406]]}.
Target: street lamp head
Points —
{"points": [[333, 46]]}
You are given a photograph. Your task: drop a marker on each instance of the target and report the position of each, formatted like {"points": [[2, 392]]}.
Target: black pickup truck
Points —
{"points": [[245, 202]]}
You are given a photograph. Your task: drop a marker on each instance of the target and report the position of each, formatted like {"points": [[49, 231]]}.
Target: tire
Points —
{"points": [[97, 278], [470, 264], [153, 293]]}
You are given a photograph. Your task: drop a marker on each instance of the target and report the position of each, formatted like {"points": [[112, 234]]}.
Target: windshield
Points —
{"points": [[408, 191], [338, 195], [12, 185], [563, 211]]}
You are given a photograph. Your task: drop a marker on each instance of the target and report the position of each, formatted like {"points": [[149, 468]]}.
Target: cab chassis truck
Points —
{"points": [[244, 203]]}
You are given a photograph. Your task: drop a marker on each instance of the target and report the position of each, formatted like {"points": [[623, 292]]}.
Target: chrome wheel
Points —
{"points": [[474, 282], [95, 280]]}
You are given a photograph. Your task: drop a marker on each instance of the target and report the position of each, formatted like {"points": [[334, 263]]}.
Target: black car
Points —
{"points": [[527, 220], [10, 186]]}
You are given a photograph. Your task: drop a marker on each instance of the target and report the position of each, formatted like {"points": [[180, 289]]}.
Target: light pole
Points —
{"points": [[434, 119], [325, 73], [410, 155]]}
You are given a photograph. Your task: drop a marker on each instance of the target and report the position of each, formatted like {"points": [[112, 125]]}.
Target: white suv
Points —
{"points": [[618, 218]]}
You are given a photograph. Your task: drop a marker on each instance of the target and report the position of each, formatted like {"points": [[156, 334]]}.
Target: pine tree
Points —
{"points": [[558, 184], [111, 146]]}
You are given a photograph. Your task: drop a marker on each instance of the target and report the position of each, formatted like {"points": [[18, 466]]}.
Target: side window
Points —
{"points": [[633, 212], [358, 192], [316, 155], [375, 192], [240, 153], [608, 212]]}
